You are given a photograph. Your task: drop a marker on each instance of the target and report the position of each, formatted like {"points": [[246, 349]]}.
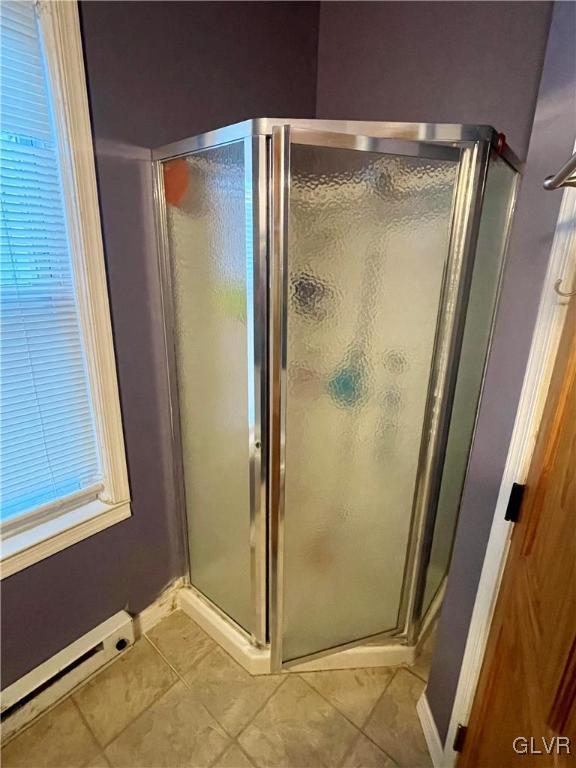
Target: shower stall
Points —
{"points": [[329, 289]]}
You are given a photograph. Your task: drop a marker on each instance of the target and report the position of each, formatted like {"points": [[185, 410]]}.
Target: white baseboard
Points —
{"points": [[158, 610], [430, 731]]}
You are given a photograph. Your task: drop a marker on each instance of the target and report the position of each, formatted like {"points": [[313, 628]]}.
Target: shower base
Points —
{"points": [[257, 661]]}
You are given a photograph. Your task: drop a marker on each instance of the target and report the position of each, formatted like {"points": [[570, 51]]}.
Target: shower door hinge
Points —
{"points": [[514, 503], [460, 737]]}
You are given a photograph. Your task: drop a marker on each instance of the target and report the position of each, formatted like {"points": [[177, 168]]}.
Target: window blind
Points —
{"points": [[48, 448]]}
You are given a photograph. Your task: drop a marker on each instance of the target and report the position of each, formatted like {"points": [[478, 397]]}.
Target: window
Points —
{"points": [[62, 454]]}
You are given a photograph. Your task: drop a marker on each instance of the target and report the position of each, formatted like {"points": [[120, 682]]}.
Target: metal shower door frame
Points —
{"points": [[267, 178], [473, 162], [256, 206]]}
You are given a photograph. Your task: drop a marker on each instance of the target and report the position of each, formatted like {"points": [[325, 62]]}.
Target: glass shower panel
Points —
{"points": [[490, 251], [207, 216], [368, 243]]}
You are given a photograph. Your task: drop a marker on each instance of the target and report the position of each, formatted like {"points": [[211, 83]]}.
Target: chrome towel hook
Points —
{"points": [[564, 294], [566, 176]]}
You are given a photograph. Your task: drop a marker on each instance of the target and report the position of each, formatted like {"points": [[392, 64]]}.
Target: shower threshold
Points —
{"points": [[257, 660]]}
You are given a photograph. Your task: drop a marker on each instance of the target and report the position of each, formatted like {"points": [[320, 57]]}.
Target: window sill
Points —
{"points": [[28, 547]]}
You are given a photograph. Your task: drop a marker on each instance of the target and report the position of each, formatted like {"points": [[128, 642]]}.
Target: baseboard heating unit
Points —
{"points": [[38, 690]]}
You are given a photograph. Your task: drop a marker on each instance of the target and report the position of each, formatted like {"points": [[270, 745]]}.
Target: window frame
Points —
{"points": [[29, 538]]}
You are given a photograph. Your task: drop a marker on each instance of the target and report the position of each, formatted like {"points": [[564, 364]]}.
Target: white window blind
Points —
{"points": [[47, 439]]}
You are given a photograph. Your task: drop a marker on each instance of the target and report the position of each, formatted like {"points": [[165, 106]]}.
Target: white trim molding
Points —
{"points": [[27, 541], [28, 547], [430, 731], [60, 28], [545, 341]]}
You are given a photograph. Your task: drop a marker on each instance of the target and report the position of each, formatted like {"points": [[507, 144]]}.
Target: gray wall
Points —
{"points": [[551, 145], [452, 62], [156, 72]]}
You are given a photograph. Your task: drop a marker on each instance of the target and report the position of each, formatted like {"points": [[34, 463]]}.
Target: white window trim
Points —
{"points": [[56, 527]]}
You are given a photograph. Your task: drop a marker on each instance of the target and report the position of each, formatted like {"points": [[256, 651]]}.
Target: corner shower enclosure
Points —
{"points": [[329, 291]]}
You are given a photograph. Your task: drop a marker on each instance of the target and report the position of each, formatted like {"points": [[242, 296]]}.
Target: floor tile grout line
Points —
{"points": [[75, 704], [187, 685], [172, 667], [231, 743], [156, 698], [416, 675], [220, 754], [394, 760], [244, 752], [139, 715], [190, 688], [216, 646], [344, 715], [350, 748], [260, 708], [420, 677], [333, 706], [360, 729], [384, 751], [369, 715]]}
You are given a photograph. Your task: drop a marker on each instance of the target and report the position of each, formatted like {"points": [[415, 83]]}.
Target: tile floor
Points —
{"points": [[177, 699]]}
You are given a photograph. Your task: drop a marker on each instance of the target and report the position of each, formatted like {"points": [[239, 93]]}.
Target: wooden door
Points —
{"points": [[527, 685]]}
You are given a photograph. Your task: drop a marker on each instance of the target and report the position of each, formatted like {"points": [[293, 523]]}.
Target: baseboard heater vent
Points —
{"points": [[41, 688]]}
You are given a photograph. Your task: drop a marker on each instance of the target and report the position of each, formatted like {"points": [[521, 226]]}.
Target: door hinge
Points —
{"points": [[460, 737], [514, 503]]}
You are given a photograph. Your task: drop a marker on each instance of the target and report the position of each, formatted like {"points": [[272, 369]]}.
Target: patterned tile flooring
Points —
{"points": [[177, 699]]}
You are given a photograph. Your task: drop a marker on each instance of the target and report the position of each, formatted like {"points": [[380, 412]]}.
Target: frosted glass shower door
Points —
{"points": [[366, 244], [209, 229]]}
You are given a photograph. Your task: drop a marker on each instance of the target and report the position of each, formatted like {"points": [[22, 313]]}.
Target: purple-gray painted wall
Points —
{"points": [[156, 72], [551, 145], [434, 62], [160, 71]]}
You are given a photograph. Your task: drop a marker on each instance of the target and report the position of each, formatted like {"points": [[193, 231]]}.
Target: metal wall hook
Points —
{"points": [[564, 294], [564, 178]]}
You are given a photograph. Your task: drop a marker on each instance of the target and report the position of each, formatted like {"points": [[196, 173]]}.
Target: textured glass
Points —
{"points": [[368, 241], [490, 252], [207, 235]]}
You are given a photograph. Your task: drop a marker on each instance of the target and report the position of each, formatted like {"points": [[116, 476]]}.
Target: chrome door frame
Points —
{"points": [[420, 616], [452, 308], [441, 133], [256, 181], [449, 334], [280, 187], [256, 165], [475, 143]]}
